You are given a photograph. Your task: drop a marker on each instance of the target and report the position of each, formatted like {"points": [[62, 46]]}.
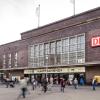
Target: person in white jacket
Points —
{"points": [[23, 86], [75, 82]]}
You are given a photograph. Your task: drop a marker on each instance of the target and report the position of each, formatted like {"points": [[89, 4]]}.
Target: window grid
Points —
{"points": [[70, 50], [9, 60], [4, 61], [16, 59]]}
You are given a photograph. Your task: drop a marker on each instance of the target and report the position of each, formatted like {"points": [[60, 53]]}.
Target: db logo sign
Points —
{"points": [[95, 41]]}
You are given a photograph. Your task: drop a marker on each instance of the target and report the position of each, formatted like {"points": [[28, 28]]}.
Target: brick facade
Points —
{"points": [[88, 23]]}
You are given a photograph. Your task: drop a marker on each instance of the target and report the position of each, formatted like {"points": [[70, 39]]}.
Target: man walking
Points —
{"points": [[62, 83]]}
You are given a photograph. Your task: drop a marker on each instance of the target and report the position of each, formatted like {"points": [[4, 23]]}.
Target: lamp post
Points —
{"points": [[46, 66]]}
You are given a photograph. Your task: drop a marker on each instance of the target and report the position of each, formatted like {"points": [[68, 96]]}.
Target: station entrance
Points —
{"points": [[68, 74]]}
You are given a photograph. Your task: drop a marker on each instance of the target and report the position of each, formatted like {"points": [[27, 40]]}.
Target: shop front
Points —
{"points": [[68, 73]]}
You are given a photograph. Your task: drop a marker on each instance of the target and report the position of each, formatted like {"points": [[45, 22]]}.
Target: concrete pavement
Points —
{"points": [[54, 93]]}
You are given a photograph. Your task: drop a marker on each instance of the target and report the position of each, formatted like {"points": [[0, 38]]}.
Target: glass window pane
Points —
{"points": [[32, 50], [80, 57], [46, 48], [52, 48], [65, 45], [59, 52], [73, 45], [72, 40], [41, 51], [72, 48], [72, 58], [59, 47], [36, 50], [81, 39], [65, 58]]}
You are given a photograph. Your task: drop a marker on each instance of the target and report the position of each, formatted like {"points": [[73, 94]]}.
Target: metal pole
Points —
{"points": [[74, 7], [73, 2], [47, 67], [46, 72], [38, 15]]}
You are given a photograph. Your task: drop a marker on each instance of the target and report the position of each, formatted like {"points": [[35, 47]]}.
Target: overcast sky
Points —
{"points": [[17, 16]]}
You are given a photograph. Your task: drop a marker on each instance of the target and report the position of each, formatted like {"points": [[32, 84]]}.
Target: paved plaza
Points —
{"points": [[54, 93]]}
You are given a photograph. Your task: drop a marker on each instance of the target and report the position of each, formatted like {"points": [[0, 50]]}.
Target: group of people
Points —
{"points": [[44, 84], [75, 83], [24, 83], [10, 82], [63, 83]]}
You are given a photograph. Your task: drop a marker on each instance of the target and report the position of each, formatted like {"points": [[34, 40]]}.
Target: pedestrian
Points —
{"points": [[34, 83], [7, 81], [51, 81], [23, 87], [75, 83], [62, 84], [12, 84], [44, 84], [81, 81], [94, 84]]}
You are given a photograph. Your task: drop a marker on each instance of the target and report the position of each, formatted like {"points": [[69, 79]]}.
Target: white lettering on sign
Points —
{"points": [[95, 41]]}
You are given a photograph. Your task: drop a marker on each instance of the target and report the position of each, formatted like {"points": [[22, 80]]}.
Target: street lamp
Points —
{"points": [[46, 66]]}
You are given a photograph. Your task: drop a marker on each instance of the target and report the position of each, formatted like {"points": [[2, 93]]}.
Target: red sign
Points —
{"points": [[95, 41]]}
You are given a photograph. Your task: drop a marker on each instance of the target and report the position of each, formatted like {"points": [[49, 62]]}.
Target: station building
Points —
{"points": [[67, 48]]}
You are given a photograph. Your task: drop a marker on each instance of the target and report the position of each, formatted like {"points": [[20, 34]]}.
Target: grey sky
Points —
{"points": [[17, 16]]}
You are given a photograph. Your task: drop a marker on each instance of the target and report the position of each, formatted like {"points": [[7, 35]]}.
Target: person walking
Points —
{"points": [[34, 83], [94, 84], [62, 84], [7, 81], [75, 82], [51, 81], [23, 87], [44, 84], [81, 81]]}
